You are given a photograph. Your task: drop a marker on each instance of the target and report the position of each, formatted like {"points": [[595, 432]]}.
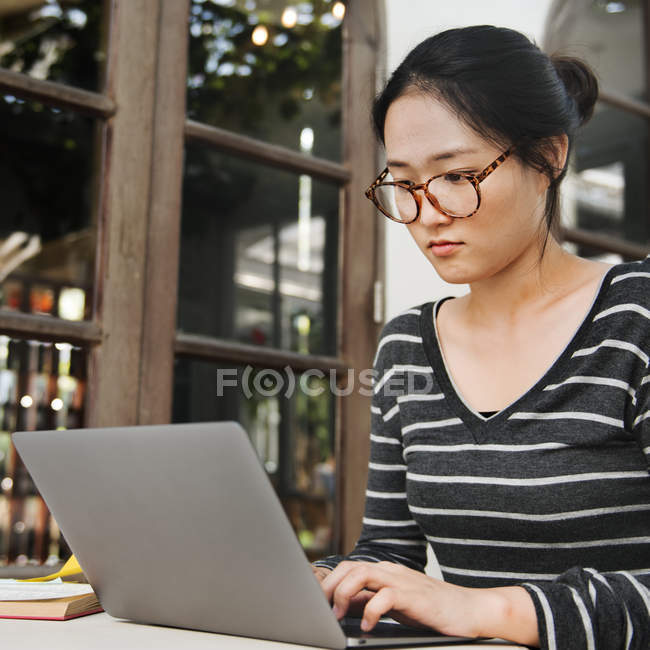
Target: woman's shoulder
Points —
{"points": [[629, 283], [406, 321], [622, 308], [401, 332]]}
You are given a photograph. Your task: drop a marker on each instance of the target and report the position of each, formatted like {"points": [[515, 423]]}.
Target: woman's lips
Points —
{"points": [[443, 247]]}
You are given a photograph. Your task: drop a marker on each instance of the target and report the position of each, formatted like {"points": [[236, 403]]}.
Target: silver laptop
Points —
{"points": [[179, 525]]}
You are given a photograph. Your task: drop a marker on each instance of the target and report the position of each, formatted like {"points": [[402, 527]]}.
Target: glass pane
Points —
{"points": [[609, 35], [268, 69], [291, 429], [58, 40], [47, 231], [258, 254], [607, 191], [42, 386]]}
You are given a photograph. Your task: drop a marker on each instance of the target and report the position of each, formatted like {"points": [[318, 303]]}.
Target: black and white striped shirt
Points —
{"points": [[552, 493]]}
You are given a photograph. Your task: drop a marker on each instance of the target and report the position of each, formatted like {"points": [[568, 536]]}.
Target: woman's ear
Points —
{"points": [[556, 149], [559, 150]]}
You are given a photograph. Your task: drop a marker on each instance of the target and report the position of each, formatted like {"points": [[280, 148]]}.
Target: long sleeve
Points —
{"points": [[597, 611], [583, 608], [552, 493], [389, 532]]}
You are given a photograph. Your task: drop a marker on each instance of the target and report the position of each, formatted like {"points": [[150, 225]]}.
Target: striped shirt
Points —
{"points": [[551, 493]]}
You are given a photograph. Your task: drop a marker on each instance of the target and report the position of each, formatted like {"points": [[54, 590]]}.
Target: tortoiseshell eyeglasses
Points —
{"points": [[455, 194]]}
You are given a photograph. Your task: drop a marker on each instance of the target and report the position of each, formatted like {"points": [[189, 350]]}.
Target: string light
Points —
{"points": [[307, 139], [26, 401], [56, 404], [338, 10], [289, 17], [260, 35]]}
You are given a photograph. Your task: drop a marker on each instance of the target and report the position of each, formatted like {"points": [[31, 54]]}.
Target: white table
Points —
{"points": [[102, 632]]}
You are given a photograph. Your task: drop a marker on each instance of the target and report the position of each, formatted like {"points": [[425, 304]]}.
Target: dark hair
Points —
{"points": [[506, 89]]}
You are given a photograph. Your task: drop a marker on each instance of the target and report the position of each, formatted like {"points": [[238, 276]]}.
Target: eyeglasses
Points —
{"points": [[455, 194]]}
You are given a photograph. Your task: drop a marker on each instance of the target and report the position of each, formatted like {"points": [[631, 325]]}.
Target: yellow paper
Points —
{"points": [[70, 568]]}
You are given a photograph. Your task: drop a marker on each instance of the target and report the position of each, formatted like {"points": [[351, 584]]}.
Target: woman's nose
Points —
{"points": [[430, 214]]}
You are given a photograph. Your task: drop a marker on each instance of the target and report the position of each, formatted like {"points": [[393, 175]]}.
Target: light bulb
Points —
{"points": [[260, 35], [289, 17]]}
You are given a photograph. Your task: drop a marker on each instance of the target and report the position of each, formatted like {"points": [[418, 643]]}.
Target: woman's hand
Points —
{"points": [[418, 600], [321, 572], [409, 596], [357, 602]]}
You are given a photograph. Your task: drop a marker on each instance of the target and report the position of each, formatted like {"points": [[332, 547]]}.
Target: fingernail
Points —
{"points": [[337, 611], [365, 625]]}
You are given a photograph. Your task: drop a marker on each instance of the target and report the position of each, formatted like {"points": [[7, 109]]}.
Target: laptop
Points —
{"points": [[179, 525]]}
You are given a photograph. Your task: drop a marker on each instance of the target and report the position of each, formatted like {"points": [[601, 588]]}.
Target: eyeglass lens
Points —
{"points": [[455, 194]]}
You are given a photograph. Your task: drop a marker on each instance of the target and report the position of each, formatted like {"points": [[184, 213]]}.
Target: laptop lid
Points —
{"points": [[179, 525]]}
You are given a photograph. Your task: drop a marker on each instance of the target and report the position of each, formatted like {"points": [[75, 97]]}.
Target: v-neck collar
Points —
{"points": [[473, 420]]}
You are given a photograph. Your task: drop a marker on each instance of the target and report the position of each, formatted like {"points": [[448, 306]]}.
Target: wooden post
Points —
{"points": [[130, 374], [163, 232], [358, 273], [114, 367]]}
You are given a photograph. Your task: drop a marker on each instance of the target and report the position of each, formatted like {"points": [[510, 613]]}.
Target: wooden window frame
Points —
{"points": [[80, 101], [132, 339]]}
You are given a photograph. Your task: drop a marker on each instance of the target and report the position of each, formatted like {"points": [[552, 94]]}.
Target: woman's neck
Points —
{"points": [[527, 284]]}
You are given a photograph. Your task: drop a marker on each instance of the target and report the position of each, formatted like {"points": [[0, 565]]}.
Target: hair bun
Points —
{"points": [[580, 82]]}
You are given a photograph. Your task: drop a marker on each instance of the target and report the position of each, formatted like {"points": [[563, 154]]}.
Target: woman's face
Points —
{"points": [[424, 138]]}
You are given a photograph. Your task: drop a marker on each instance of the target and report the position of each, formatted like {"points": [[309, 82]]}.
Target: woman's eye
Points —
{"points": [[454, 177]]}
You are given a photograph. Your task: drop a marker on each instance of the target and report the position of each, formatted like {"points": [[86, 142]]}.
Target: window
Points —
{"points": [[50, 155], [185, 197], [607, 211]]}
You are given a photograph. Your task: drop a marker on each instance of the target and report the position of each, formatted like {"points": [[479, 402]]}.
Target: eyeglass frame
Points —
{"points": [[474, 179]]}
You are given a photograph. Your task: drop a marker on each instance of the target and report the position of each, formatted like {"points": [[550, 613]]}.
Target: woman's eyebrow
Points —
{"points": [[444, 155]]}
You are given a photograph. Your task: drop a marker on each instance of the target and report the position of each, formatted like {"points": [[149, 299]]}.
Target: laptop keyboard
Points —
{"points": [[385, 628]]}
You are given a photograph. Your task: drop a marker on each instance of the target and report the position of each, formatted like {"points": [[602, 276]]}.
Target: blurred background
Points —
{"points": [[181, 188]]}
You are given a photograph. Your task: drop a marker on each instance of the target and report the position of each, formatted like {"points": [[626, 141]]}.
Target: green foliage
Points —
{"points": [[236, 84], [64, 43], [46, 154]]}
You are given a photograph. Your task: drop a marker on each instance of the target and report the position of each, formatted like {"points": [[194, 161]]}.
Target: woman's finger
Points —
{"points": [[368, 576], [321, 572], [333, 579], [358, 603], [379, 605]]}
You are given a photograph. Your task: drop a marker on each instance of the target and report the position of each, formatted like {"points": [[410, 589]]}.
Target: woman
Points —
{"points": [[520, 447]]}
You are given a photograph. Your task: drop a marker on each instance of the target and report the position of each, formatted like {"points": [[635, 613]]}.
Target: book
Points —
{"points": [[55, 601]]}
